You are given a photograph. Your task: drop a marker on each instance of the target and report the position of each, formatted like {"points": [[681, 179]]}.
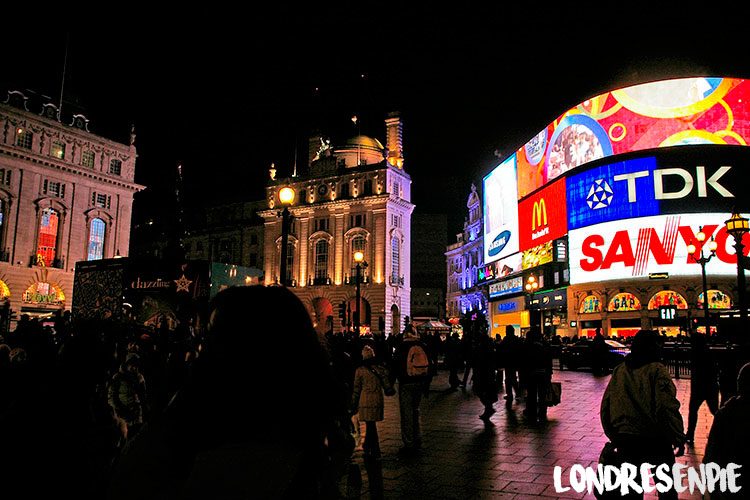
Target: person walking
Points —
{"points": [[484, 363], [640, 413], [412, 368], [370, 381], [511, 348], [599, 351], [538, 375], [127, 394], [704, 383]]}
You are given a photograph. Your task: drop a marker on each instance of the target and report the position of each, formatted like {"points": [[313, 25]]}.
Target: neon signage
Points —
{"points": [[623, 302]]}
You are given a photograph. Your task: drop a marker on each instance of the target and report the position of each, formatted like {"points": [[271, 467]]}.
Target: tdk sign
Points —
{"points": [[640, 188], [498, 243]]}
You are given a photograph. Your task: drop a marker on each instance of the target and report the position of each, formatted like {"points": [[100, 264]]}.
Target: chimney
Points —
{"points": [[393, 132]]}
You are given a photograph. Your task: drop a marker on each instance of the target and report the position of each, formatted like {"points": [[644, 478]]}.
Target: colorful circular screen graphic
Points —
{"points": [[577, 140]]}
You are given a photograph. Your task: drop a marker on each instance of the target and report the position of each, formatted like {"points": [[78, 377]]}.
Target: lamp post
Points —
{"points": [[703, 260], [359, 258], [737, 226], [286, 197], [531, 286]]}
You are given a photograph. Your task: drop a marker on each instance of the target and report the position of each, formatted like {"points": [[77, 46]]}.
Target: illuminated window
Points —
{"points": [[87, 159], [321, 260], [96, 240], [47, 238], [24, 138], [667, 298], [395, 259], [58, 150], [716, 300], [115, 167]]}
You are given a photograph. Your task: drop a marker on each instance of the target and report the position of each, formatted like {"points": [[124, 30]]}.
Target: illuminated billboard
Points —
{"points": [[543, 217], [671, 183], [657, 244], [500, 211], [537, 256], [680, 112]]}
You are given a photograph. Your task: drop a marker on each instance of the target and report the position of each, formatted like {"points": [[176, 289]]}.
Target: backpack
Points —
{"points": [[417, 363]]}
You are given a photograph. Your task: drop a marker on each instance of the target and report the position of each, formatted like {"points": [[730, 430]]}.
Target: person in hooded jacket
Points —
{"points": [[367, 399], [640, 413]]}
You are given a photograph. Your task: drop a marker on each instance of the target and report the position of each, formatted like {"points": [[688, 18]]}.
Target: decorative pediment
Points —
{"points": [[81, 122], [50, 111], [17, 99]]}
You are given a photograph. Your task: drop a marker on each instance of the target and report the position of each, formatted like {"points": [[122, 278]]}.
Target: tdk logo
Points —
{"points": [[687, 179], [498, 243], [600, 195]]}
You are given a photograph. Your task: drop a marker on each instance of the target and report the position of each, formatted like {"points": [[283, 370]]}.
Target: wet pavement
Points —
{"points": [[509, 458]]}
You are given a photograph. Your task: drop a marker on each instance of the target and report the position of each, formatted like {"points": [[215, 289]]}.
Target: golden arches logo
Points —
{"points": [[539, 214]]}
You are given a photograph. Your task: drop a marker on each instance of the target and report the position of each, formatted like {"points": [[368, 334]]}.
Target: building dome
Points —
{"points": [[364, 141]]}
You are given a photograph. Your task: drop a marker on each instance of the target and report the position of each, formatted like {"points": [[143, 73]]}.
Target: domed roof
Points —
{"points": [[365, 142]]}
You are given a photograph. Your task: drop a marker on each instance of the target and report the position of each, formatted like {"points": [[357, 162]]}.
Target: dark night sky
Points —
{"points": [[227, 95]]}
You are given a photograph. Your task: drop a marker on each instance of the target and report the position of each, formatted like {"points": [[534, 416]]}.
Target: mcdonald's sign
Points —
{"points": [[543, 216]]}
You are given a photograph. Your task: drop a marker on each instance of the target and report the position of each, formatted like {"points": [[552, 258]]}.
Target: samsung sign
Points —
{"points": [[649, 186], [500, 195]]}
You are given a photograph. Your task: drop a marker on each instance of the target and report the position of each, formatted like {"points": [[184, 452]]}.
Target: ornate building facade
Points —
{"points": [[463, 259], [356, 197], [66, 195]]}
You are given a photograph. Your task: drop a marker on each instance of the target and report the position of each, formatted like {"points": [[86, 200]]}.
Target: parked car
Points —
{"points": [[579, 355]]}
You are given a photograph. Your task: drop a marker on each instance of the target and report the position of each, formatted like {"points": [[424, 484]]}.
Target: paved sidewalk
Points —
{"points": [[463, 458]]}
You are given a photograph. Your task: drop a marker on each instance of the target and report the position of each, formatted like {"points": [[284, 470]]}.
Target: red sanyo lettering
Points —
{"points": [[650, 244]]}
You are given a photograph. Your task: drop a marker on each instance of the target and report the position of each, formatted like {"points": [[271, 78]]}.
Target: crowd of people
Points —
{"points": [[270, 408]]}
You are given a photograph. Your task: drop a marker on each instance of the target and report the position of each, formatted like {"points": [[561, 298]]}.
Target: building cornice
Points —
{"points": [[301, 210], [66, 167]]}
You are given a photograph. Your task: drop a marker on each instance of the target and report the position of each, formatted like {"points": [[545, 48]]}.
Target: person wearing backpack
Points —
{"points": [[412, 369], [370, 383]]}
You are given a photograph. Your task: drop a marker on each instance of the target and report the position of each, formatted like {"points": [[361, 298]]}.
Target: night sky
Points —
{"points": [[227, 95]]}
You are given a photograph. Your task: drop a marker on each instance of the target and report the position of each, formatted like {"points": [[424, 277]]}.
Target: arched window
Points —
{"points": [[47, 238], [358, 245], [96, 239], [289, 260], [667, 298], [321, 260], [395, 263]]}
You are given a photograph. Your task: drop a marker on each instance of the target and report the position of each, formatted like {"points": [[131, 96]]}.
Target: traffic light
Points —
{"points": [[342, 310]]}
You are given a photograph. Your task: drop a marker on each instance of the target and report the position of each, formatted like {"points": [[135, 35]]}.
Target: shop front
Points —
{"points": [[552, 305], [508, 312]]}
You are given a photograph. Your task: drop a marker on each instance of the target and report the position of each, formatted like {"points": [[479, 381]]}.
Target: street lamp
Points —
{"points": [[531, 286], [737, 226], [359, 258], [701, 237], [286, 197]]}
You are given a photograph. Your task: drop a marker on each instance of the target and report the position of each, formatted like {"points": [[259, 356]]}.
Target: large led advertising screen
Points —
{"points": [[542, 217], [500, 211], [658, 244], [672, 182], [686, 111]]}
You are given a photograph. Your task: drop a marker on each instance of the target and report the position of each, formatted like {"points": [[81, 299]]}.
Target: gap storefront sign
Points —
{"points": [[542, 216], [507, 287]]}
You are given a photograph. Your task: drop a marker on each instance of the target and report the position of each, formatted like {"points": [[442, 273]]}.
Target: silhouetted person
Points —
{"points": [[453, 359], [729, 438], [484, 362], [411, 368], [253, 420], [511, 350], [538, 374], [599, 351], [704, 384], [640, 413]]}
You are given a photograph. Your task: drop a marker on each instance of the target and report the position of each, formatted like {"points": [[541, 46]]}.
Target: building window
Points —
{"points": [[96, 240], [47, 238], [5, 176], [253, 239], [253, 260], [289, 260], [53, 188], [115, 167], [58, 150], [395, 220], [395, 264], [24, 138], [101, 200], [303, 196], [367, 188], [321, 260], [358, 245], [344, 190], [321, 224], [359, 220], [2, 221], [87, 159]]}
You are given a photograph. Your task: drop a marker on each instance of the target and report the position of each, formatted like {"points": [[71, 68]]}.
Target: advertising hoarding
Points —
{"points": [[657, 244], [640, 187], [543, 217], [537, 256], [507, 287], [679, 112], [511, 264], [500, 198]]}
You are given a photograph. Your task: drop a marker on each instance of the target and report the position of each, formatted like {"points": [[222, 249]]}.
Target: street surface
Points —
{"points": [[463, 458]]}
